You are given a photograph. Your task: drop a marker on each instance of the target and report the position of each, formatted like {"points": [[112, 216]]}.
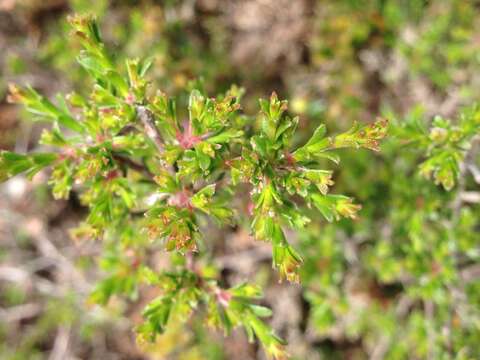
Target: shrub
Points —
{"points": [[150, 178]]}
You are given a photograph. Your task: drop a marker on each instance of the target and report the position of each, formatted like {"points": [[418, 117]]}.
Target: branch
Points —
{"points": [[470, 274], [48, 249], [20, 312], [129, 163], [475, 171], [61, 345], [472, 197], [148, 122]]}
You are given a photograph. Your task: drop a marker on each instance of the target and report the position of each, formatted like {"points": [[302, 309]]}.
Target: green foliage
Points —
{"points": [[125, 149], [12, 164], [184, 171], [447, 146], [417, 245], [43, 109], [226, 309]]}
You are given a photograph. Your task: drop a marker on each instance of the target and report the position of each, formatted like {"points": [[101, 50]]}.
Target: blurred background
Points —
{"points": [[386, 286]]}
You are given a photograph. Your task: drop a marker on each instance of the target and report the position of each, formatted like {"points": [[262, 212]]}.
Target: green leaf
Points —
{"points": [[12, 164], [261, 311], [325, 206], [196, 105], [204, 160], [318, 135], [43, 108], [225, 136]]}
